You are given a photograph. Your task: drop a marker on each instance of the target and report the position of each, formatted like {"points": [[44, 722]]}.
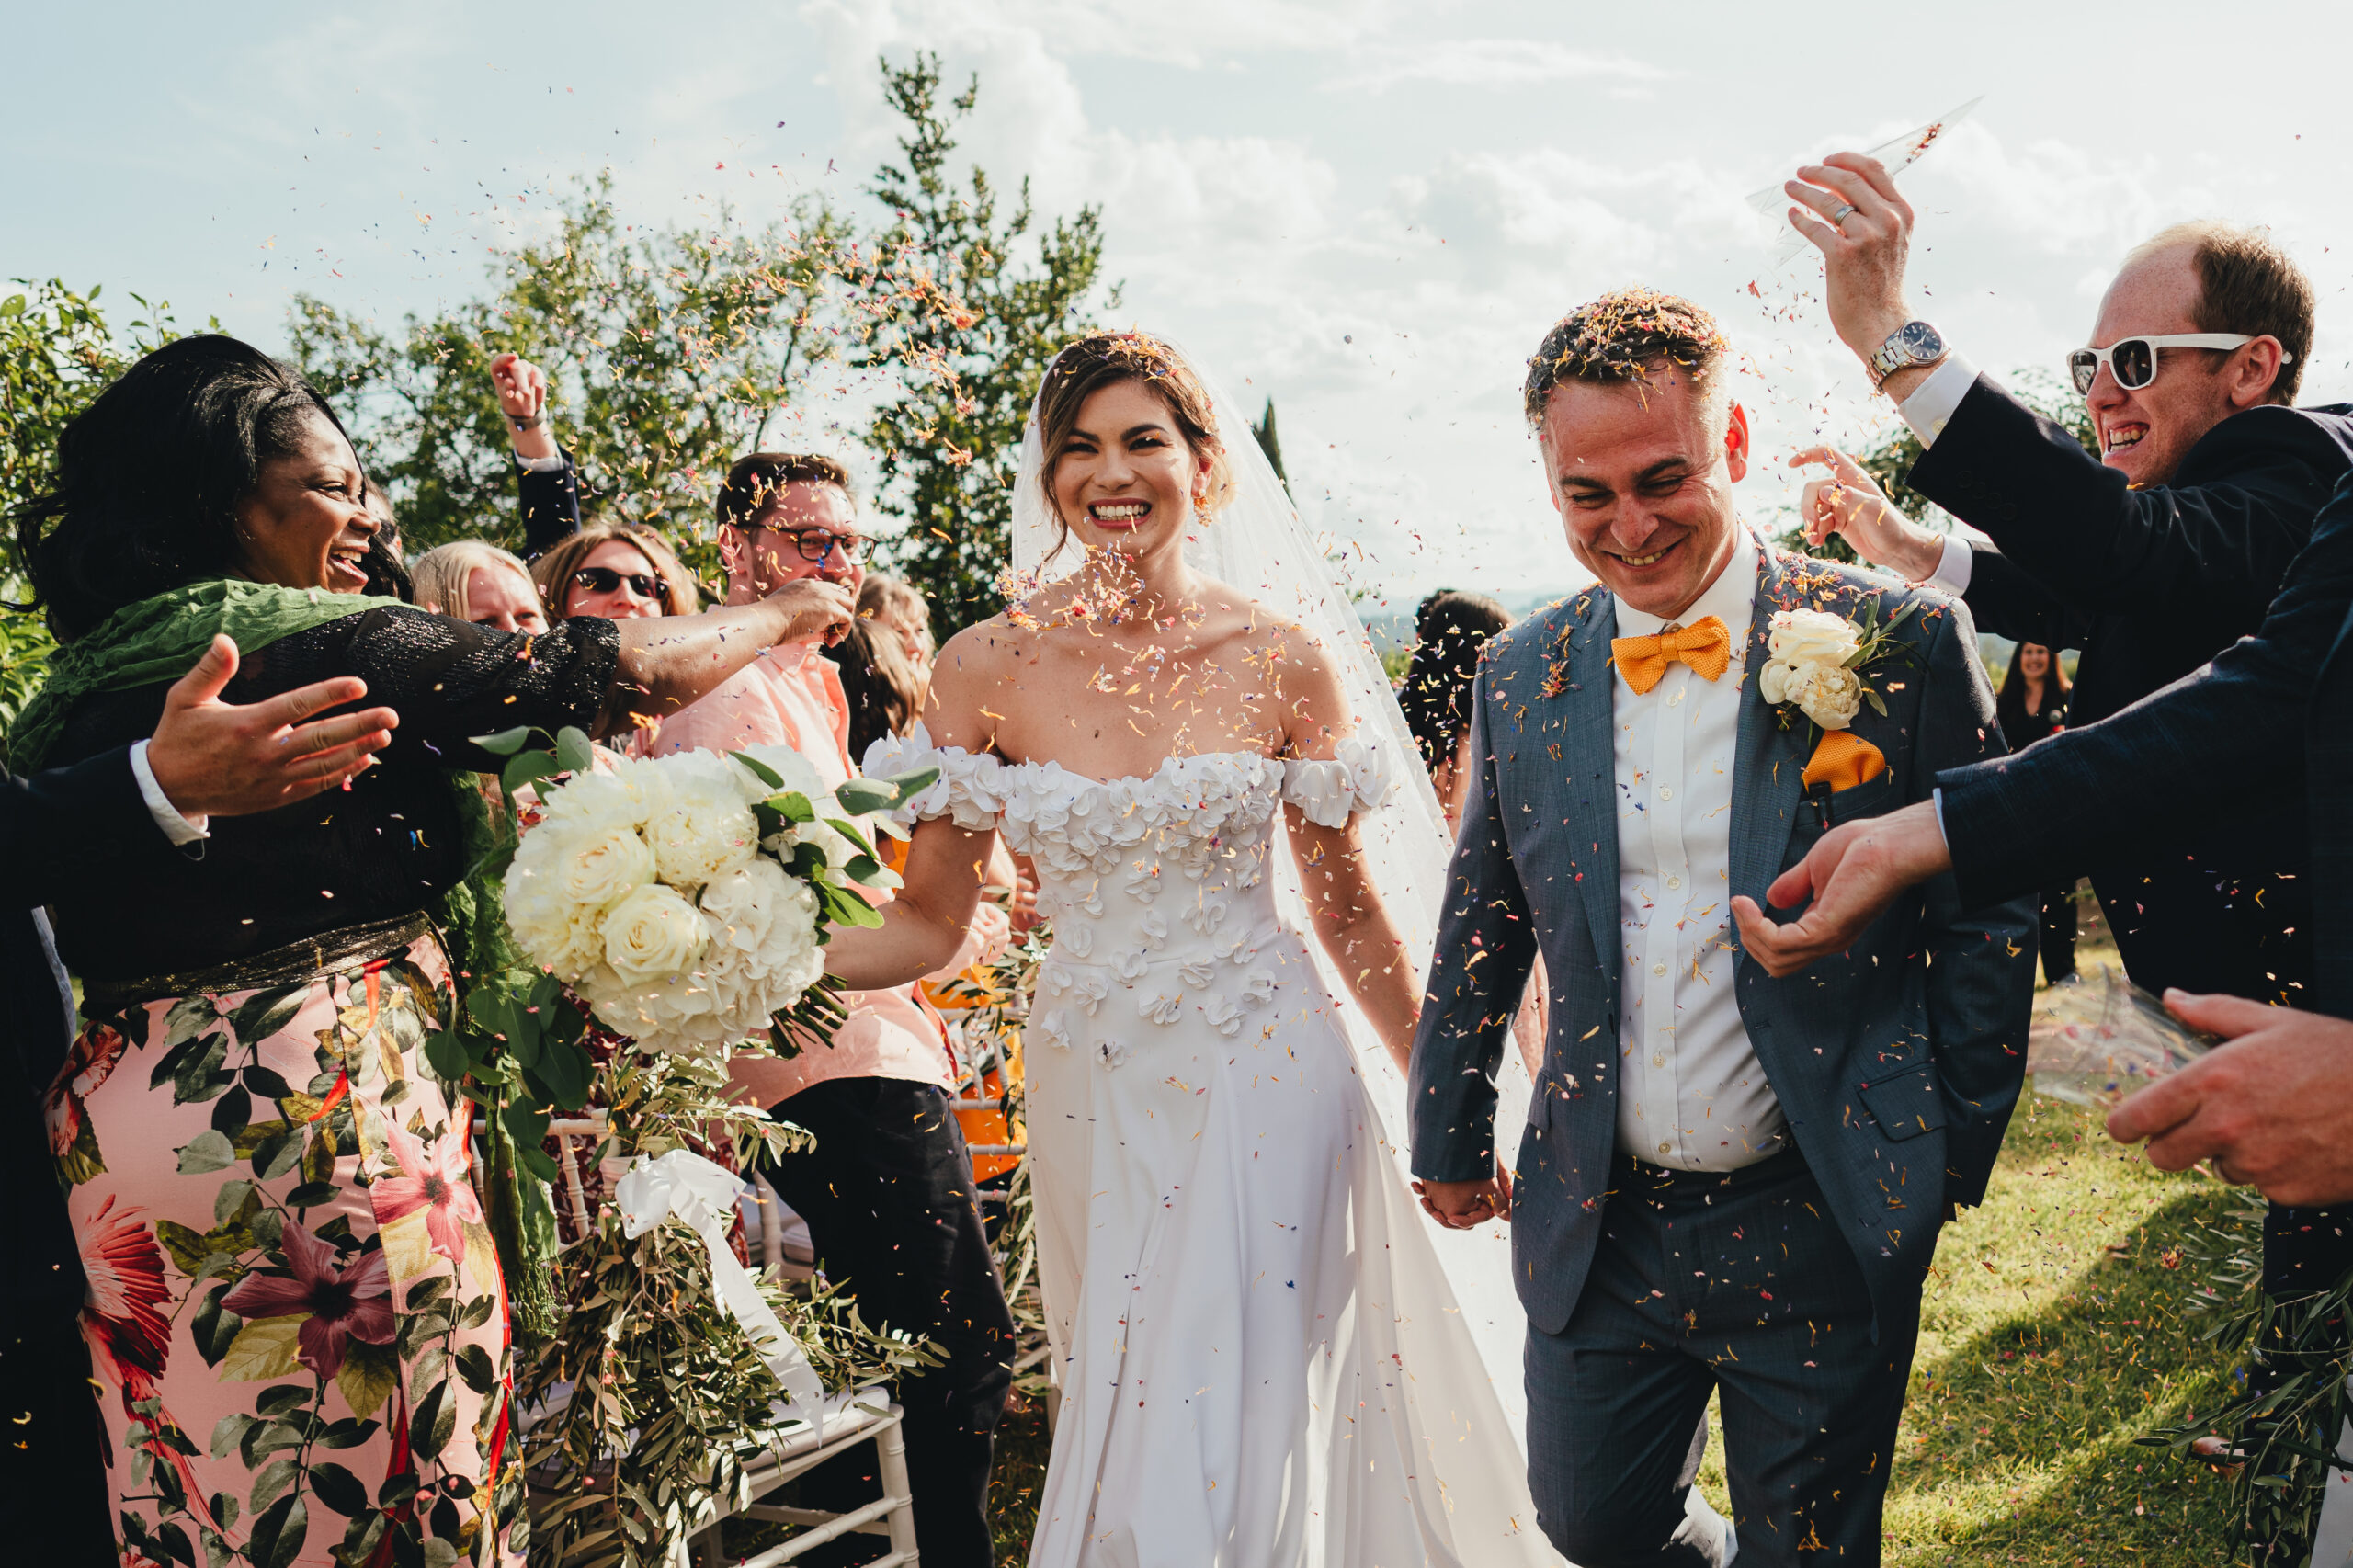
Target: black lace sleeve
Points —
{"points": [[450, 680]]}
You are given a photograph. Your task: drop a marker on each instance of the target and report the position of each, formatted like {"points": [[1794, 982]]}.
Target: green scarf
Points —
{"points": [[156, 640]]}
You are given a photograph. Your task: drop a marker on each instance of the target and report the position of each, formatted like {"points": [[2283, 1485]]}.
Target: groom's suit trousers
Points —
{"points": [[1703, 1282]]}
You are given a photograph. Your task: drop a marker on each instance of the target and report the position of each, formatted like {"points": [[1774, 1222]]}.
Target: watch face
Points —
{"points": [[1920, 342]]}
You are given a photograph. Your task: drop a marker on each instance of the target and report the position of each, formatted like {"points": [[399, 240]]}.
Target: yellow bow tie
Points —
{"points": [[1704, 645]]}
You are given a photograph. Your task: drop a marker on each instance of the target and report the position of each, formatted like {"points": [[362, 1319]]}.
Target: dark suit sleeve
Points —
{"points": [[2007, 601], [551, 507], [2171, 758], [63, 823], [1980, 957], [2072, 524], [1485, 949]]}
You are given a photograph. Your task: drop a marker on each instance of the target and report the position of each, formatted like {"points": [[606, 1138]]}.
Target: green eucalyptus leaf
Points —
{"points": [[506, 743]]}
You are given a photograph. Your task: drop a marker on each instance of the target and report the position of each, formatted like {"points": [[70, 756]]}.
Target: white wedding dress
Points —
{"points": [[1260, 1359]]}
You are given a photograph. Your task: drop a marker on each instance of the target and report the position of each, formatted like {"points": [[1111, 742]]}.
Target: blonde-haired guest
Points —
{"points": [[474, 580]]}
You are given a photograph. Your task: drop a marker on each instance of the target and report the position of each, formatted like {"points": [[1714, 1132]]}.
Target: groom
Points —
{"points": [[1728, 1182]]}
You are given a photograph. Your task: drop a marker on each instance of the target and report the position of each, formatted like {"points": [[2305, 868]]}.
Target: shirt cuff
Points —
{"points": [[1937, 798], [177, 828], [1952, 572], [540, 465], [1933, 401]]}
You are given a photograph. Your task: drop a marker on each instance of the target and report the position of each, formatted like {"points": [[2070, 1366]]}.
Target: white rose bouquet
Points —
{"points": [[687, 898], [1818, 663]]}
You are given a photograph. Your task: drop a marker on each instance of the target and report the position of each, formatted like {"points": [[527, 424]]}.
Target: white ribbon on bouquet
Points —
{"points": [[701, 1194]]}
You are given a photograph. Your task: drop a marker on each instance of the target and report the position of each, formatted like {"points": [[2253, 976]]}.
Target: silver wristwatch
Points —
{"points": [[1915, 342]]}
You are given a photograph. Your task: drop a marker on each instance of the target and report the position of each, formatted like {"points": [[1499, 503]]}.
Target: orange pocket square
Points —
{"points": [[1843, 760]]}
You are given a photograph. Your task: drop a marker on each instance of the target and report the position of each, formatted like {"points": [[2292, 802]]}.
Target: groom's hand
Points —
{"points": [[2272, 1108], [1464, 1205], [1852, 875]]}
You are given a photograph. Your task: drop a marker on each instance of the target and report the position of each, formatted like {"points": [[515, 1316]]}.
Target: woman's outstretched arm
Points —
{"points": [[669, 661]]}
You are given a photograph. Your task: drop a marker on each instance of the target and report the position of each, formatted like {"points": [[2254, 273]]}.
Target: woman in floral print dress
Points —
{"points": [[295, 1310]]}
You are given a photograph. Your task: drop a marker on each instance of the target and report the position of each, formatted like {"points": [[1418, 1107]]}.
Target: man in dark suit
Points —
{"points": [[207, 759], [1729, 1182], [2150, 559], [2275, 1107]]}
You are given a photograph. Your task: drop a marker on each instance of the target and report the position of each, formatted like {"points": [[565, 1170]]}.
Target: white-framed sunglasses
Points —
{"points": [[2134, 360]]}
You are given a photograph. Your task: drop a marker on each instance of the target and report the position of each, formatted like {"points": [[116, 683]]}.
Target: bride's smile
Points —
{"points": [[1125, 478]]}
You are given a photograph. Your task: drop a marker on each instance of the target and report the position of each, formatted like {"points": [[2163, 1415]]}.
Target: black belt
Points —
{"points": [[326, 953], [1627, 1173]]}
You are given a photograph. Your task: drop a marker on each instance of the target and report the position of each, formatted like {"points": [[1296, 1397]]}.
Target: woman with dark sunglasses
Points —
{"points": [[616, 572]]}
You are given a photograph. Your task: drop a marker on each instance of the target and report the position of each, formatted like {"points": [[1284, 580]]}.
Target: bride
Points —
{"points": [[1260, 1358]]}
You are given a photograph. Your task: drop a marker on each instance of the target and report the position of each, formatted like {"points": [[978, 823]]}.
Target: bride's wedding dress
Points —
{"points": [[1260, 1360]]}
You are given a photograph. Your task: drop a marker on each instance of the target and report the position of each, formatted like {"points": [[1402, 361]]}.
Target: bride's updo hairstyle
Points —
{"points": [[1105, 359]]}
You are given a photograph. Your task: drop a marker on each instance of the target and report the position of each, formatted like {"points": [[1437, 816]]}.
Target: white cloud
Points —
{"points": [[1489, 63]]}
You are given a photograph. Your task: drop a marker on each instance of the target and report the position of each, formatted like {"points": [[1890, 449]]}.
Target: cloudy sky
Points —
{"points": [[1367, 211]]}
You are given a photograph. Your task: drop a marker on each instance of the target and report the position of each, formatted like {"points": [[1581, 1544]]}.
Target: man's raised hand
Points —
{"points": [[522, 388], [2270, 1108], [1851, 504], [215, 758], [1852, 875], [1849, 207]]}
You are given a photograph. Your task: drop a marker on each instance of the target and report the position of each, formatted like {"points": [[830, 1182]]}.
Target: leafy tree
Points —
{"points": [[969, 333], [1269, 443], [57, 352], [668, 354]]}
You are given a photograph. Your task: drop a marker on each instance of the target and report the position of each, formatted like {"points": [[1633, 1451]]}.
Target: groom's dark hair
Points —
{"points": [[1631, 335]]}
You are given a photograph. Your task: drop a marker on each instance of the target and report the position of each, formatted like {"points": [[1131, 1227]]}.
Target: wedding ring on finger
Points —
{"points": [[1846, 211]]}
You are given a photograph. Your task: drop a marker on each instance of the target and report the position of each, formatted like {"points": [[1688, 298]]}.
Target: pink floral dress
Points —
{"points": [[295, 1311]]}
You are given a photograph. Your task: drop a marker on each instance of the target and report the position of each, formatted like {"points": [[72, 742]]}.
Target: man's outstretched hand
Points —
{"points": [[1848, 206], [215, 758], [2272, 1108], [1852, 875]]}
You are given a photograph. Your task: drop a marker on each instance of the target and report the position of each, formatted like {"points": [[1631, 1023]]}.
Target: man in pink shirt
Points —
{"points": [[888, 1192]]}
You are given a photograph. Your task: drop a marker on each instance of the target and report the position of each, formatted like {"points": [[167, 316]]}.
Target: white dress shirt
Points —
{"points": [[1929, 408], [1691, 1094]]}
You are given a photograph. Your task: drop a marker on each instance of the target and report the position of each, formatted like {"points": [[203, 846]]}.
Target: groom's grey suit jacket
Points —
{"points": [[1896, 1063]]}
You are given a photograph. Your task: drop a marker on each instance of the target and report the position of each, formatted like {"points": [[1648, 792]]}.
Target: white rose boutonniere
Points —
{"points": [[1819, 664]]}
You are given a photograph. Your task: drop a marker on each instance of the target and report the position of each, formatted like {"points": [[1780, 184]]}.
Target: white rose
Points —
{"points": [[764, 948], [653, 933], [565, 874], [624, 797], [1831, 696], [1778, 681], [704, 829], [1812, 637]]}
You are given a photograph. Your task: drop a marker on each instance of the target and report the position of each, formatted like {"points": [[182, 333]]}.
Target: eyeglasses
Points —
{"points": [[604, 580], [815, 544], [2134, 360]]}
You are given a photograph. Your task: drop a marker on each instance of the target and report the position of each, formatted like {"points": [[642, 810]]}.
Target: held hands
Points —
{"points": [[1864, 232], [522, 388], [1467, 1205], [215, 758], [2271, 1108], [1852, 874], [815, 608], [1851, 505]]}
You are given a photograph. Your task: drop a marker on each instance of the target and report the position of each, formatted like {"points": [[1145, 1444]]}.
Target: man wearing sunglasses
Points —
{"points": [[888, 1192], [2150, 559]]}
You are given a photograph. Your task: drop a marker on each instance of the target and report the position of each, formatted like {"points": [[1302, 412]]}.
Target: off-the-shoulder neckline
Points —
{"points": [[1122, 777]]}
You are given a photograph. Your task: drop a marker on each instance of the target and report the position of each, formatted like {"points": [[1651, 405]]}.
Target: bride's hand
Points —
{"points": [[1465, 1205]]}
